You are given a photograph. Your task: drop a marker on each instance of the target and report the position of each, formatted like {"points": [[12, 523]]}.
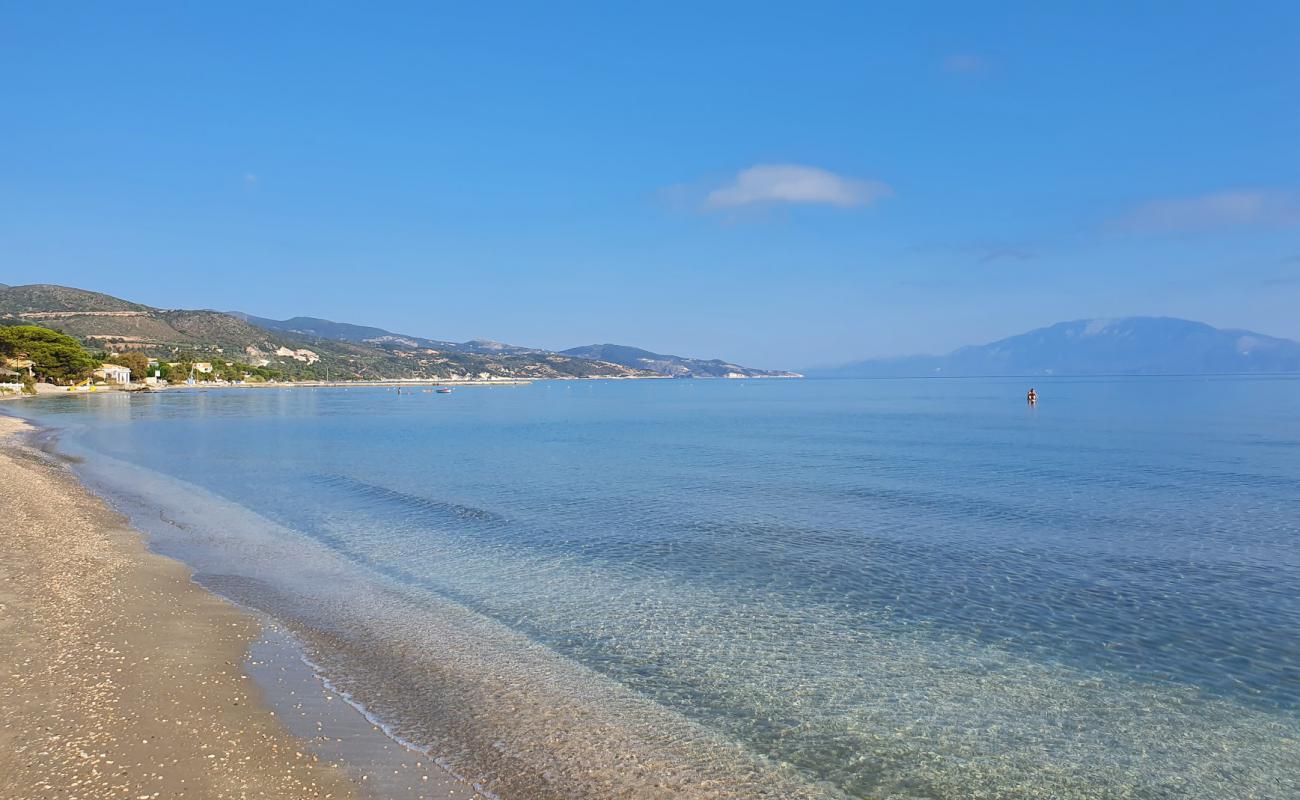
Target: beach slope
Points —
{"points": [[119, 677]]}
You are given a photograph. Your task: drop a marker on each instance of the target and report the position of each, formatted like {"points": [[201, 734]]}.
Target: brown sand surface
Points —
{"points": [[119, 677]]}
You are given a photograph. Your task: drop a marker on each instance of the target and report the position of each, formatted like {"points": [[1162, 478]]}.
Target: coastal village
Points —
{"points": [[18, 378], [41, 361], [61, 339], [37, 360]]}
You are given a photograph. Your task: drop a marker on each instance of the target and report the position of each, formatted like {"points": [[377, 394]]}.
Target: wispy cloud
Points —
{"points": [[1003, 253], [1239, 208], [965, 64], [767, 184]]}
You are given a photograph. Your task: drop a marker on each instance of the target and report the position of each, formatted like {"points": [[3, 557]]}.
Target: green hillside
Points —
{"points": [[103, 322], [46, 297]]}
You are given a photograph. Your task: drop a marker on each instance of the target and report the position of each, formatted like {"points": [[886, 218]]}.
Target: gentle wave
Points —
{"points": [[821, 591]]}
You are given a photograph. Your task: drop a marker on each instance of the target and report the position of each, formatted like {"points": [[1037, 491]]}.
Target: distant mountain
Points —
{"points": [[309, 347], [109, 323], [631, 357], [340, 331], [364, 334], [489, 346], [676, 366], [1126, 346]]}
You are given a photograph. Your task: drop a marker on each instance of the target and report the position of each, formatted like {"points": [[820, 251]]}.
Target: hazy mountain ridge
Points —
{"points": [[1122, 346], [676, 366], [630, 357], [366, 334]]}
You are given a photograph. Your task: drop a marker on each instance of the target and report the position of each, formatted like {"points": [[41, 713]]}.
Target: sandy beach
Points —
{"points": [[122, 678]]}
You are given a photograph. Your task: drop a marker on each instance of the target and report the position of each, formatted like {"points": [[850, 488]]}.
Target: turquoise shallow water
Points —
{"points": [[914, 588]]}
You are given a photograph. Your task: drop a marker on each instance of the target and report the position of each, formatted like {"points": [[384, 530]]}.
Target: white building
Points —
{"points": [[114, 373]]}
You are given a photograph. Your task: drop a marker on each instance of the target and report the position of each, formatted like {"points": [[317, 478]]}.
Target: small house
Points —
{"points": [[114, 373], [21, 364], [10, 381]]}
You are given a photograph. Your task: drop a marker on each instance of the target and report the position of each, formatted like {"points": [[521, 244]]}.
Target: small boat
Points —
{"points": [[444, 390]]}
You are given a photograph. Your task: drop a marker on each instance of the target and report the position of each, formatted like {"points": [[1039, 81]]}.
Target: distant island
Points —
{"points": [[234, 346], [1124, 346]]}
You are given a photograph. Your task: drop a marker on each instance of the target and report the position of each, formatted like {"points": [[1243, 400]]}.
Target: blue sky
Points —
{"points": [[783, 186]]}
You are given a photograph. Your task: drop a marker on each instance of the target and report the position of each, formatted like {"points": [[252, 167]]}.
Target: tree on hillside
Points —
{"points": [[55, 356], [134, 361], [179, 371]]}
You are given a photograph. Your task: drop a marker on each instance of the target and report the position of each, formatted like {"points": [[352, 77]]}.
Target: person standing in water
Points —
{"points": [[1032, 397]]}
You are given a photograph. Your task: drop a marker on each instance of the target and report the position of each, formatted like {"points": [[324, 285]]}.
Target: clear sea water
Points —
{"points": [[903, 589]]}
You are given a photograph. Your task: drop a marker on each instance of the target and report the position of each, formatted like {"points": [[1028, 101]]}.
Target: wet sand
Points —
{"points": [[338, 732], [119, 677]]}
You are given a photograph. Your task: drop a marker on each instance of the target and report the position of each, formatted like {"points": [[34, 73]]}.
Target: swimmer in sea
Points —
{"points": [[1032, 397]]}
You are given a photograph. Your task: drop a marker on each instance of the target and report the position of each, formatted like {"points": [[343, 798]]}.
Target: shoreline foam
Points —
{"points": [[517, 719]]}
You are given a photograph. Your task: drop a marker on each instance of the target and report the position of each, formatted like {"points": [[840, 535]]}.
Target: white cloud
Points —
{"points": [[764, 184], [1220, 210]]}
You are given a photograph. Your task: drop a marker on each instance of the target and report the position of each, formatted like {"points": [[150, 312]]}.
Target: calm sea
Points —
{"points": [[905, 589]]}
